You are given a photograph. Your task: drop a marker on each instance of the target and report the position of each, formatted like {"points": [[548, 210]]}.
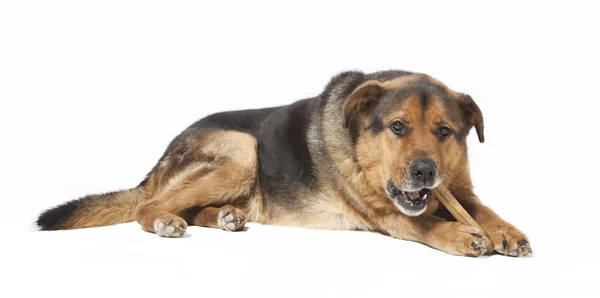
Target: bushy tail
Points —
{"points": [[93, 211]]}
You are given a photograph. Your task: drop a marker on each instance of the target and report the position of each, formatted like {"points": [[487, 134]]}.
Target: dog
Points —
{"points": [[362, 155]]}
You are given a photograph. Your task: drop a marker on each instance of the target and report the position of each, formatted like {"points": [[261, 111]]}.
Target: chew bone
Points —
{"points": [[456, 209]]}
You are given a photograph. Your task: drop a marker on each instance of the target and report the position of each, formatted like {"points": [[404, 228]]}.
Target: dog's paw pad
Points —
{"points": [[231, 220], [171, 229]]}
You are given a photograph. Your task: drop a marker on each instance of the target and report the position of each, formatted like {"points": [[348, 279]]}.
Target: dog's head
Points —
{"points": [[410, 134]]}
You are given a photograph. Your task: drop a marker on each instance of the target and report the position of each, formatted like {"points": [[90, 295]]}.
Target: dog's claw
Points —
{"points": [[509, 241]]}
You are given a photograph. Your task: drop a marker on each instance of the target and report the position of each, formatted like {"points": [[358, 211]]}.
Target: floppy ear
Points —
{"points": [[472, 115], [361, 98]]}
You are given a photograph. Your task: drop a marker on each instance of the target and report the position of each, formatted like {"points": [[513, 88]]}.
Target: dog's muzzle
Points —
{"points": [[411, 203]]}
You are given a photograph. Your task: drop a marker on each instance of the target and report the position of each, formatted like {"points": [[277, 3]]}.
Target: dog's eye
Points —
{"points": [[443, 132], [398, 128]]}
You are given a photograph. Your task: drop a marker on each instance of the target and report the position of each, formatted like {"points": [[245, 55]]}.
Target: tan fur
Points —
{"points": [[119, 208], [226, 172], [326, 209], [214, 217]]}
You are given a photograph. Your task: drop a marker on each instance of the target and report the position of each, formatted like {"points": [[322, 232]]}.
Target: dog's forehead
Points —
{"points": [[418, 95]]}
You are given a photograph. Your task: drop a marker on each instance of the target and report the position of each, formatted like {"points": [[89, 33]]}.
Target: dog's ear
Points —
{"points": [[472, 115], [361, 99]]}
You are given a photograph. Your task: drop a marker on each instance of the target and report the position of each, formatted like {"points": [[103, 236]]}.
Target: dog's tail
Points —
{"points": [[93, 211]]}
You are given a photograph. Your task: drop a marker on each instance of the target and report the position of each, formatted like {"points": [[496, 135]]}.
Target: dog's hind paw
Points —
{"points": [[172, 228], [231, 219]]}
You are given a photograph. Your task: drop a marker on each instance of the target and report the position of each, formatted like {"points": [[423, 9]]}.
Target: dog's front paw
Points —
{"points": [[508, 240], [462, 240]]}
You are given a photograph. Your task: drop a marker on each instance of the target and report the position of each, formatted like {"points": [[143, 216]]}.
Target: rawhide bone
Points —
{"points": [[456, 209]]}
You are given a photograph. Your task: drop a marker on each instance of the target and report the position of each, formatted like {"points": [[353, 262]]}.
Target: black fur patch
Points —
{"points": [[424, 102], [460, 135], [353, 129], [387, 75], [52, 218], [245, 121], [377, 125], [285, 164]]}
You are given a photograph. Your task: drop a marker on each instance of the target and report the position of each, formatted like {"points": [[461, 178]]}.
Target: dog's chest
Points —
{"points": [[325, 209], [331, 212]]}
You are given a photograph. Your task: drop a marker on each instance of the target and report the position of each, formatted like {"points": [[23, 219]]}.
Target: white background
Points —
{"points": [[92, 92]]}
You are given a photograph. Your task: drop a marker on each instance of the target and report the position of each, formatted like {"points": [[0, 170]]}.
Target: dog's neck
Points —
{"points": [[331, 144]]}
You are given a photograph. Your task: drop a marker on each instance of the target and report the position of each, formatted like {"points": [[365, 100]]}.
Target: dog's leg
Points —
{"points": [[448, 236], [506, 239], [227, 218], [227, 174]]}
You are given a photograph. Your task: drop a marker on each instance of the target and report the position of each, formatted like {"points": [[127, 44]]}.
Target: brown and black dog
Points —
{"points": [[363, 155]]}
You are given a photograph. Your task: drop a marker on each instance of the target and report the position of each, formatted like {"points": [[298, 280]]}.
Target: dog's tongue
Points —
{"points": [[413, 195]]}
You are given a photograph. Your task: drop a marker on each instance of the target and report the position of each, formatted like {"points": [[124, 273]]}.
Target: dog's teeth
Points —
{"points": [[424, 197]]}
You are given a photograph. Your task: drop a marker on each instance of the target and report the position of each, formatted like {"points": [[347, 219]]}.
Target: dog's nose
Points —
{"points": [[423, 170]]}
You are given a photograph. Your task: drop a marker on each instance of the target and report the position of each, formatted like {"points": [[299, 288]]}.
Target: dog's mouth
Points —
{"points": [[411, 203]]}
